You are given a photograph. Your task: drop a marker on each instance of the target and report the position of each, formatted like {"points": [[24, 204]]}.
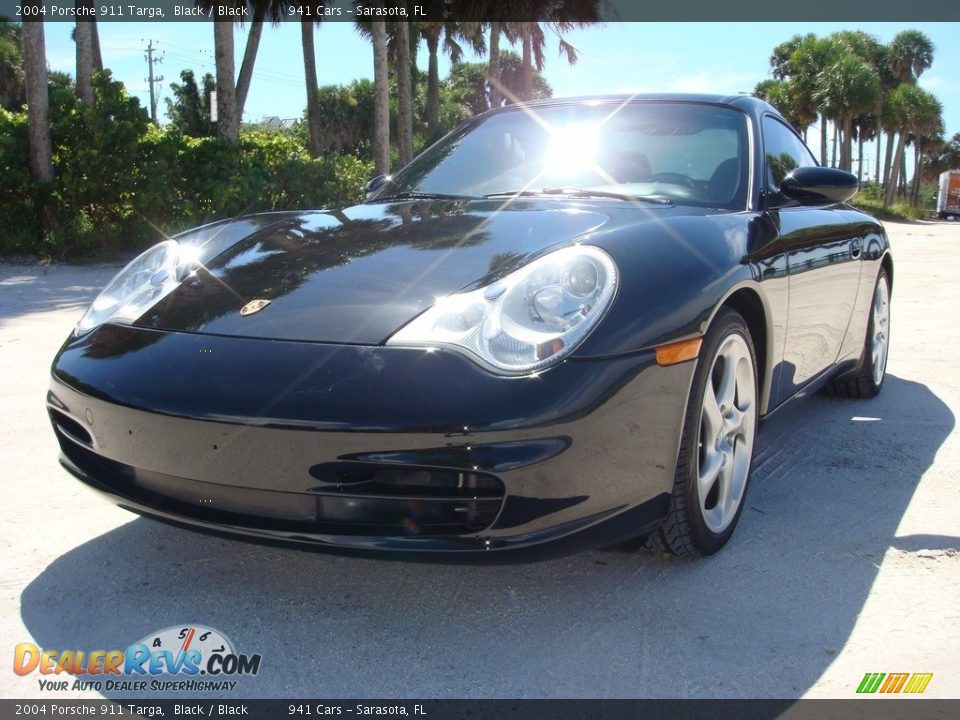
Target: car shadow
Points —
{"points": [[764, 618]]}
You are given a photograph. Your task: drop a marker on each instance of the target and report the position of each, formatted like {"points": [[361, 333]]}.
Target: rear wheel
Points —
{"points": [[716, 450], [869, 381]]}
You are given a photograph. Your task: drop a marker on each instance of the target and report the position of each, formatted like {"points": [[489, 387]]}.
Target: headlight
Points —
{"points": [[527, 321], [143, 282]]}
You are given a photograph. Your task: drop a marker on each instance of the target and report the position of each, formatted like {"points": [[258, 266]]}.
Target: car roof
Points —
{"points": [[748, 103]]}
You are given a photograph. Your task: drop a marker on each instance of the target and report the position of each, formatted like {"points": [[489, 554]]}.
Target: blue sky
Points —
{"points": [[616, 57]]}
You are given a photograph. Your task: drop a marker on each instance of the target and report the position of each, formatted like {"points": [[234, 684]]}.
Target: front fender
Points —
{"points": [[675, 273]]}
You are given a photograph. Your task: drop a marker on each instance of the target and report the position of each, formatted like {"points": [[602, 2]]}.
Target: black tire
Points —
{"points": [[868, 382], [686, 532]]}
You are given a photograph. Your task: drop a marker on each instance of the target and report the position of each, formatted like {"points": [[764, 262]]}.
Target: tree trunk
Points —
{"points": [[879, 132], [381, 104], [895, 171], [314, 131], [823, 140], [848, 144], [915, 186], [405, 95], [249, 58], [228, 124], [902, 184], [526, 69], [833, 149], [38, 123], [888, 160], [860, 157], [493, 74], [97, 56], [433, 84], [84, 41], [845, 132]]}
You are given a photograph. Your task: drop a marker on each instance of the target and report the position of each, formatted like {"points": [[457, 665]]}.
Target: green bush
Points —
{"points": [[121, 182], [870, 200]]}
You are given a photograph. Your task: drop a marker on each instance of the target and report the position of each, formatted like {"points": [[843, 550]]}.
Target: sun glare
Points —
{"points": [[572, 148]]}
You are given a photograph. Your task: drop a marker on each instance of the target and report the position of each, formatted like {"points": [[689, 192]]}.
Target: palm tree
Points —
{"points": [[887, 80], [782, 94], [864, 130], [910, 108], [451, 33], [404, 93], [228, 122], [533, 43], [38, 124], [926, 139], [261, 9], [945, 156], [89, 60], [909, 54], [844, 89], [801, 60], [874, 53], [83, 37], [232, 91], [493, 74], [381, 113], [314, 130], [555, 17]]}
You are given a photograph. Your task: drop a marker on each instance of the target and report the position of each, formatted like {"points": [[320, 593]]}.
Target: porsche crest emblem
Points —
{"points": [[254, 306]]}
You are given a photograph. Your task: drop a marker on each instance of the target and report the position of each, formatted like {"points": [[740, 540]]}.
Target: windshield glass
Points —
{"points": [[685, 153]]}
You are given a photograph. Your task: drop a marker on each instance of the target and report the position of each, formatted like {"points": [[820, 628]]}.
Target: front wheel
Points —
{"points": [[869, 381], [716, 449]]}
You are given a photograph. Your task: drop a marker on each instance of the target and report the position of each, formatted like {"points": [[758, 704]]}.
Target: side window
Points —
{"points": [[784, 151]]}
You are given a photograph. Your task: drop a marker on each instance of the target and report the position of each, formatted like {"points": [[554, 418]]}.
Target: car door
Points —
{"points": [[823, 263]]}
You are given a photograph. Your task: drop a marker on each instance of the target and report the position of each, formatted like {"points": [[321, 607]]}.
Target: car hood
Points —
{"points": [[358, 275]]}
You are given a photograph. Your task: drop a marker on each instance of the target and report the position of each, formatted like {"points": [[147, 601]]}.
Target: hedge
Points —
{"points": [[121, 182]]}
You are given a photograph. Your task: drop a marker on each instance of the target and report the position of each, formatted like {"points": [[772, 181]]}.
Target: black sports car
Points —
{"points": [[564, 321]]}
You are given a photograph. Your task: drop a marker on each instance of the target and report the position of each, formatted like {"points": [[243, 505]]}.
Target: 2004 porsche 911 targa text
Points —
{"points": [[561, 324]]}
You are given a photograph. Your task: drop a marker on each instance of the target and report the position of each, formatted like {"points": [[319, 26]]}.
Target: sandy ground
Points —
{"points": [[845, 561]]}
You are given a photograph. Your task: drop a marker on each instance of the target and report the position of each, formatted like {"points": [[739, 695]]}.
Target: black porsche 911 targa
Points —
{"points": [[560, 325]]}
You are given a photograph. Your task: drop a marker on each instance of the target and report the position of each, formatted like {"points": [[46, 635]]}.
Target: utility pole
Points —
{"points": [[151, 80]]}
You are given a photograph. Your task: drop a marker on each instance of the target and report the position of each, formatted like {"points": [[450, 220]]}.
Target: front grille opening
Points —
{"points": [[384, 502], [403, 481], [70, 427]]}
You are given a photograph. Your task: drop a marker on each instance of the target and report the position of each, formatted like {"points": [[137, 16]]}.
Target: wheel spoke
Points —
{"points": [[712, 418], [709, 470], [728, 382], [723, 510], [740, 462]]}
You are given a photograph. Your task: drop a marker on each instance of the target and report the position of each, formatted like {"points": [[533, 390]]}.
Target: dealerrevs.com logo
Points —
{"points": [[181, 658], [892, 683]]}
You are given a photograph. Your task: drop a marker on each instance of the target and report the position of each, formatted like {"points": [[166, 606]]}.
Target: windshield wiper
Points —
{"points": [[417, 195], [579, 193]]}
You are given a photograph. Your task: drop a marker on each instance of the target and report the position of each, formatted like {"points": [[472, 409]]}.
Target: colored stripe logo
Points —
{"points": [[912, 683]]}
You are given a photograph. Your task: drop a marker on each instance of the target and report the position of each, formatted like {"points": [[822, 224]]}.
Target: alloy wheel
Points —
{"points": [[879, 343], [727, 433]]}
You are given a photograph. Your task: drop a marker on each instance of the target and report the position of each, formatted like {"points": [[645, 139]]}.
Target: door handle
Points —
{"points": [[856, 247]]}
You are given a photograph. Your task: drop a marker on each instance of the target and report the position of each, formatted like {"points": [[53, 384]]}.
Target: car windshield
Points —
{"points": [[658, 152]]}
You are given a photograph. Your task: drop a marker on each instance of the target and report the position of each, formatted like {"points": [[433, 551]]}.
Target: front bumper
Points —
{"points": [[367, 447]]}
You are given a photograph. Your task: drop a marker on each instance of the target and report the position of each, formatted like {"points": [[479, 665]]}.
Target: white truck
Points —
{"points": [[948, 198]]}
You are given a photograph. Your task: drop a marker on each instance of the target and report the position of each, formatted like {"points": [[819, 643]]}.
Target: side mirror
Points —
{"points": [[819, 185], [375, 185]]}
